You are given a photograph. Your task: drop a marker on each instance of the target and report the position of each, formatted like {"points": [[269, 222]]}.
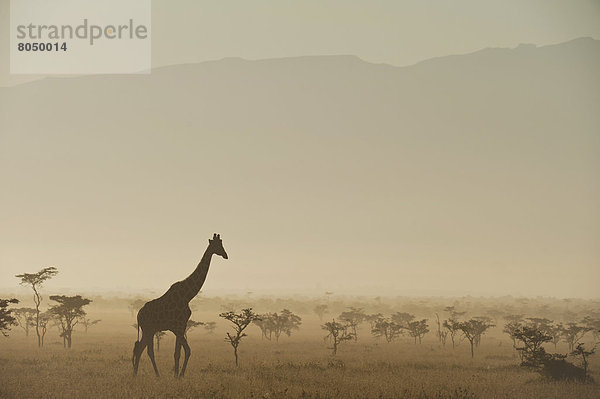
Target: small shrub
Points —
{"points": [[560, 369]]}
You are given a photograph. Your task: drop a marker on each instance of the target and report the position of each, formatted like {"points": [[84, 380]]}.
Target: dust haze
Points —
{"points": [[407, 193], [473, 174]]}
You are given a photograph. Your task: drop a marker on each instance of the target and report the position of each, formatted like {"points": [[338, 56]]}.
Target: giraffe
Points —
{"points": [[172, 312]]}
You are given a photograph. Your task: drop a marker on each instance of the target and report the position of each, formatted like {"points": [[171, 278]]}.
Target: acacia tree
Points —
{"points": [[68, 312], [453, 327], [276, 324], [320, 311], [373, 319], [486, 323], [385, 327], [266, 324], [87, 323], [191, 324], [593, 324], [403, 318], [472, 329], [240, 322], [338, 333], [573, 333], [285, 323], [45, 318], [25, 318], [417, 329], [534, 356], [511, 329], [36, 280], [556, 332], [584, 354], [159, 335], [532, 352], [135, 305], [539, 323], [6, 316], [353, 318]]}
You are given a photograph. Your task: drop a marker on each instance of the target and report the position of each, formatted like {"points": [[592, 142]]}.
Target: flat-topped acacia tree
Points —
{"points": [[36, 280], [87, 323], [191, 324], [68, 313], [473, 329]]}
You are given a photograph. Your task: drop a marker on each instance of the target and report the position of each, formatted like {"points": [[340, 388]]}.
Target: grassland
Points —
{"points": [[300, 366]]}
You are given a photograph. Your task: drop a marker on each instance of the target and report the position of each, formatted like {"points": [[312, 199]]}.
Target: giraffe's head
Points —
{"points": [[216, 246]]}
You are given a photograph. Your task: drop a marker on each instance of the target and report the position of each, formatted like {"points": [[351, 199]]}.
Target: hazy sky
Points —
{"points": [[113, 208], [379, 31]]}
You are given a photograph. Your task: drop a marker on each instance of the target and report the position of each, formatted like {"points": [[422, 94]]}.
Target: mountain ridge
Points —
{"points": [[348, 58]]}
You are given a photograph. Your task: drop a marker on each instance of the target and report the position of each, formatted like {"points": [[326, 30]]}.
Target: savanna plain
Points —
{"points": [[301, 365]]}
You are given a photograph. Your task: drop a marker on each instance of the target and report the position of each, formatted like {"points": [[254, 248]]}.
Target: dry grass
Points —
{"points": [[99, 366]]}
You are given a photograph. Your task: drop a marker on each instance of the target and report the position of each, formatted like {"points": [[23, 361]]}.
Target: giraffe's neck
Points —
{"points": [[195, 281]]}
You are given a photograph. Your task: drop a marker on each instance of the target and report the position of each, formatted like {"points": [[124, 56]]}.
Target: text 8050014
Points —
{"points": [[42, 46]]}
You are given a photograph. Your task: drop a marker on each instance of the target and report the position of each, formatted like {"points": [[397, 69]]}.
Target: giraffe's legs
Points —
{"points": [[188, 352], [138, 349], [177, 355], [151, 354]]}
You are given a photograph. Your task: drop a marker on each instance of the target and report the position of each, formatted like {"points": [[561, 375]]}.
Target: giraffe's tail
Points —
{"points": [[136, 346]]}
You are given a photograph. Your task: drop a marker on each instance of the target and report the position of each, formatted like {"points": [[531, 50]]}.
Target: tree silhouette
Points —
{"points": [[191, 324], [87, 323], [285, 323], [593, 324], [452, 324], [372, 319], [486, 324], [266, 323], [6, 317], [573, 333], [580, 351], [240, 322], [403, 318], [159, 335], [386, 328], [532, 352], [135, 305], [511, 328], [338, 333], [25, 318], [472, 329], [417, 329], [36, 280], [353, 318], [45, 318], [68, 312]]}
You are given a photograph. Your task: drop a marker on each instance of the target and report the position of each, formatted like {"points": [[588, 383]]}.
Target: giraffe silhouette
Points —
{"points": [[172, 311]]}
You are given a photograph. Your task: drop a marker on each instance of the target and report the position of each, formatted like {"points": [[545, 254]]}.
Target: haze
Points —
{"points": [[463, 175]]}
